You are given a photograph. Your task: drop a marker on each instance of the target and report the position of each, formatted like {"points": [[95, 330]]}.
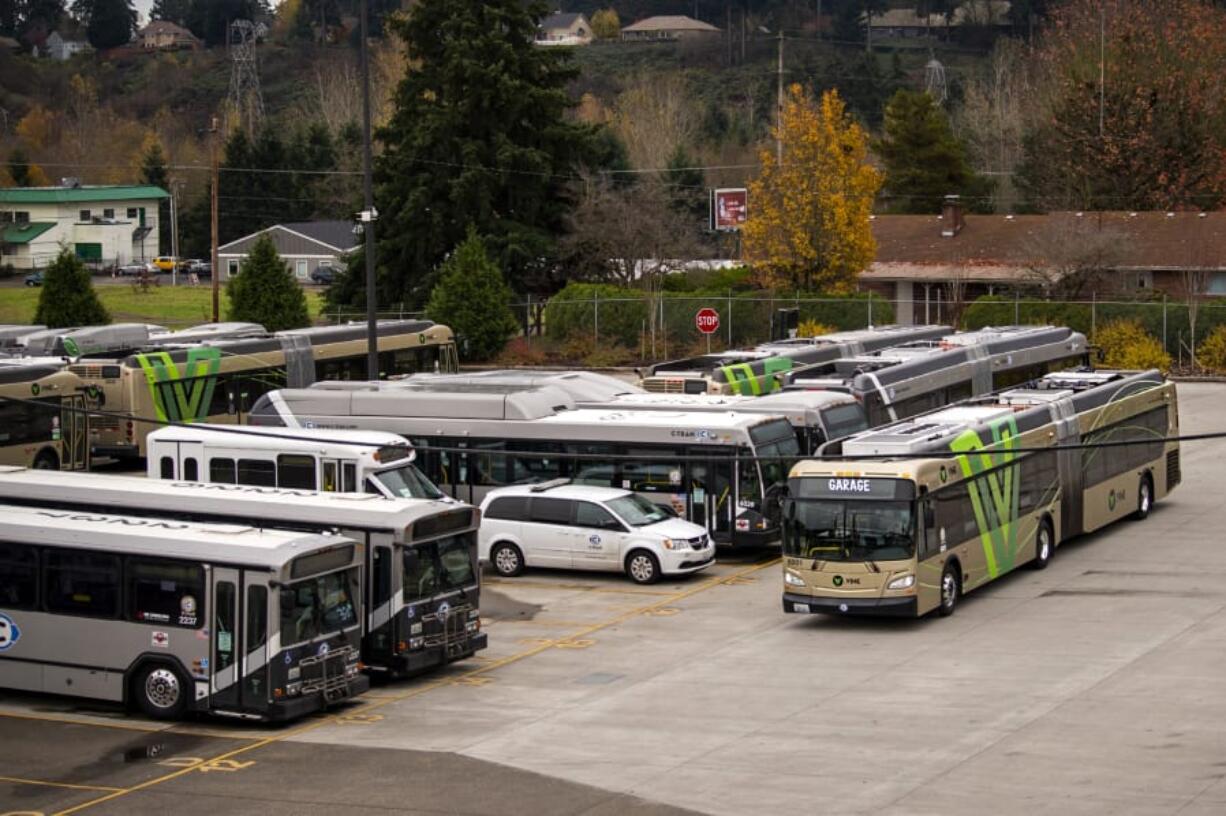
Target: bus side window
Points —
{"points": [[222, 471], [81, 583], [257, 472], [168, 467], [349, 477], [191, 469], [329, 480], [223, 636], [19, 565], [296, 471], [929, 543]]}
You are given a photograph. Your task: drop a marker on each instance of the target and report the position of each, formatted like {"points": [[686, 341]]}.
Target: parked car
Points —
{"points": [[34, 279], [133, 269], [570, 526], [163, 263], [203, 269], [324, 275]]}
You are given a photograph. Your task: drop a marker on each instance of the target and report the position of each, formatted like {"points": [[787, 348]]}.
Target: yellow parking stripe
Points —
{"points": [[44, 783]]}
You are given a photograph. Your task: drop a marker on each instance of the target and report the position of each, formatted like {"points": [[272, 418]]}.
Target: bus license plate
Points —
{"points": [[799, 607]]}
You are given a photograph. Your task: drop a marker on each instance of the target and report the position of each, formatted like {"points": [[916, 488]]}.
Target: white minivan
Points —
{"points": [[568, 526]]}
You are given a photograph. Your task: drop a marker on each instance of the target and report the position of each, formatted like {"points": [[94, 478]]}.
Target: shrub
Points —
{"points": [[520, 351], [811, 328], [68, 297], [1211, 353], [572, 313], [473, 298], [264, 291], [1126, 344]]}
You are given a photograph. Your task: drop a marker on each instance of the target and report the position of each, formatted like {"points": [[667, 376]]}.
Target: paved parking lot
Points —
{"points": [[1096, 686]]}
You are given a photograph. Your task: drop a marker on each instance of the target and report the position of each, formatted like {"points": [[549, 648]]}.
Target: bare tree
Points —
{"points": [[1195, 277], [653, 117], [1073, 256]]}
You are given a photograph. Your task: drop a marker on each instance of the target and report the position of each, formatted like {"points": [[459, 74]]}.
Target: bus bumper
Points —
{"points": [[406, 665], [901, 607], [115, 451], [294, 707], [754, 539]]}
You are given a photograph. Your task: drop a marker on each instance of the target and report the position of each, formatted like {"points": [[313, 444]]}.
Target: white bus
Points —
{"points": [[178, 616], [298, 459], [723, 470], [422, 586]]}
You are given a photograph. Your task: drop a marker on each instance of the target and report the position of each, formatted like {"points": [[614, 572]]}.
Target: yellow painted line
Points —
{"points": [[573, 587], [557, 624], [147, 728], [416, 692], [44, 783]]}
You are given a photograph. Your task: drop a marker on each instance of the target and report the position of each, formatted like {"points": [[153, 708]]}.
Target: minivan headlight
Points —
{"points": [[904, 582], [674, 543]]}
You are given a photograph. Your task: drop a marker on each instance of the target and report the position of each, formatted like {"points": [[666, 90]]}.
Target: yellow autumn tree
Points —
{"points": [[808, 225]]}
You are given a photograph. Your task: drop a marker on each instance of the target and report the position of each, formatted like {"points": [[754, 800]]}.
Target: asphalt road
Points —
{"points": [[1095, 686]]}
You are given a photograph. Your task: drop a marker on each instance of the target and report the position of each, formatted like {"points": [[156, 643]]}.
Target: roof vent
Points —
{"points": [[1079, 213], [70, 182], [1009, 217], [1202, 215], [951, 213], [1170, 215], [1132, 215]]}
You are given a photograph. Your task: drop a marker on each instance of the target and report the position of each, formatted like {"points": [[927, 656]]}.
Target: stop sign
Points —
{"points": [[707, 320]]}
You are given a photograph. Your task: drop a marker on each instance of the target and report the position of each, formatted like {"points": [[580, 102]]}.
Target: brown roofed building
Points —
{"points": [[1066, 255], [668, 28], [165, 35]]}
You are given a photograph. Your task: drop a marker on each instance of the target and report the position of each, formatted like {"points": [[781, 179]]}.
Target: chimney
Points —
{"points": [[951, 216]]}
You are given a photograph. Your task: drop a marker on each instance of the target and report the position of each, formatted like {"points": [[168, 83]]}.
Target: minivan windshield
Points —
{"points": [[637, 511]]}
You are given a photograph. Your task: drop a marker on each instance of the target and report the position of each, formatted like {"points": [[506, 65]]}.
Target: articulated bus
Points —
{"points": [[44, 420], [958, 497], [701, 466], [422, 586], [219, 380], [176, 616], [906, 380], [296, 459], [754, 371]]}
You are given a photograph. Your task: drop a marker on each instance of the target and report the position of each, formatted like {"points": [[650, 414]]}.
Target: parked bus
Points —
{"points": [[296, 459], [753, 371], [958, 497], [176, 616], [700, 465], [910, 379], [44, 421], [422, 585], [218, 381]]}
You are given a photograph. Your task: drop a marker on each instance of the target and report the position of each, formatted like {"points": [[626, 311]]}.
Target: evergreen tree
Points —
{"points": [[19, 167], [264, 291], [479, 136], [174, 11], [108, 23], [210, 19], [153, 172], [473, 299], [68, 297], [923, 160], [686, 184], [8, 18], [39, 15]]}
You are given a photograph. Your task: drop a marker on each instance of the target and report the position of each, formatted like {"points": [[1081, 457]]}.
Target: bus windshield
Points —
{"points": [[849, 530], [318, 606], [407, 482], [776, 448]]}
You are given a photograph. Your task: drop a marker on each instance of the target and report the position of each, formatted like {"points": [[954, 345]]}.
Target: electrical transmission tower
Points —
{"points": [[246, 103], [934, 80]]}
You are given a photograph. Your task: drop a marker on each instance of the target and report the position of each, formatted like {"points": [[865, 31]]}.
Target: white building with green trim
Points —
{"points": [[111, 224]]}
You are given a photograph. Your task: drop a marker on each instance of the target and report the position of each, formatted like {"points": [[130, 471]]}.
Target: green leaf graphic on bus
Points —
{"points": [[994, 496], [181, 393], [744, 382]]}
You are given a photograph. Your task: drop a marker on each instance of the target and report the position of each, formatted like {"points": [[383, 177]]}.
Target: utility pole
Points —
{"points": [[728, 28], [1102, 65], [174, 231], [368, 216], [779, 107], [216, 276]]}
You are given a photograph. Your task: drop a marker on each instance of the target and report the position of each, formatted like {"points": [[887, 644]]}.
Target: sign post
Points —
{"points": [[707, 322]]}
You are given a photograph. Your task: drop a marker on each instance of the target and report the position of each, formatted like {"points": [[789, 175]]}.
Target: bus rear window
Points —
{"points": [[844, 420]]}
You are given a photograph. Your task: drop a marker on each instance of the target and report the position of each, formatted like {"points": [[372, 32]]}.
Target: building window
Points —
{"points": [[131, 212], [300, 269], [22, 217], [232, 267], [108, 213], [6, 217], [84, 215]]}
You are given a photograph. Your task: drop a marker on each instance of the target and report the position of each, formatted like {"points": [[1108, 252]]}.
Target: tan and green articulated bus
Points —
{"points": [[922, 511]]}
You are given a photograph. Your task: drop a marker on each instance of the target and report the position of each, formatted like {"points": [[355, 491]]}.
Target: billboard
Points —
{"points": [[729, 207]]}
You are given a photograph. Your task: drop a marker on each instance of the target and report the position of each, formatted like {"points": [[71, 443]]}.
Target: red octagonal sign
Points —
{"points": [[707, 321]]}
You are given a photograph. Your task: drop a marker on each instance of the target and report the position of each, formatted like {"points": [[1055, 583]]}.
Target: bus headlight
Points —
{"points": [[417, 642], [904, 582], [293, 689], [792, 579]]}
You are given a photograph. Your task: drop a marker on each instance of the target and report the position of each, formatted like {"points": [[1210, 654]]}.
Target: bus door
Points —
{"points": [[255, 691], [710, 500], [339, 476], [224, 664], [187, 459], [74, 429]]}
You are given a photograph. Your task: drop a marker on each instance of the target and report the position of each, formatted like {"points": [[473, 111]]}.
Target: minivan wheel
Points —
{"points": [[161, 692], [1145, 498], [508, 561], [642, 567]]}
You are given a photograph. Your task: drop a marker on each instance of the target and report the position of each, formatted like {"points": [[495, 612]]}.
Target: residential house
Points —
{"points": [[304, 246], [564, 29], [923, 260], [668, 28], [112, 224], [58, 48], [9, 44], [908, 22], [163, 35]]}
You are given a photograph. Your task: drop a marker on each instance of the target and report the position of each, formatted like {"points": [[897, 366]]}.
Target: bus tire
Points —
{"points": [[951, 589], [46, 460], [1145, 498], [1044, 545], [507, 559], [642, 567], [160, 691]]}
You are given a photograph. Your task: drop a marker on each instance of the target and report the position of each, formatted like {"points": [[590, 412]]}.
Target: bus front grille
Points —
{"points": [[326, 673], [453, 636], [1173, 474], [662, 385]]}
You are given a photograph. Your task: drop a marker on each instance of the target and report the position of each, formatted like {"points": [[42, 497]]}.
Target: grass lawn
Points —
{"points": [[175, 307]]}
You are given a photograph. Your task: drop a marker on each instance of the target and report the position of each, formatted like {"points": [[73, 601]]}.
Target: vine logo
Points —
{"points": [[181, 393], [1111, 500], [994, 496], [837, 580]]}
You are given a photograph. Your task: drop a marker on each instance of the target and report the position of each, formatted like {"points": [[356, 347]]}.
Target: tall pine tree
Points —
{"points": [[68, 297], [479, 137], [108, 23], [174, 11], [153, 172]]}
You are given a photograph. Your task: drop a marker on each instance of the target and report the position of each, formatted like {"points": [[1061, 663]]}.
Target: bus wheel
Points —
{"points": [[508, 561], [1044, 546], [642, 567], [46, 461], [161, 692], [1145, 498], [951, 590]]}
